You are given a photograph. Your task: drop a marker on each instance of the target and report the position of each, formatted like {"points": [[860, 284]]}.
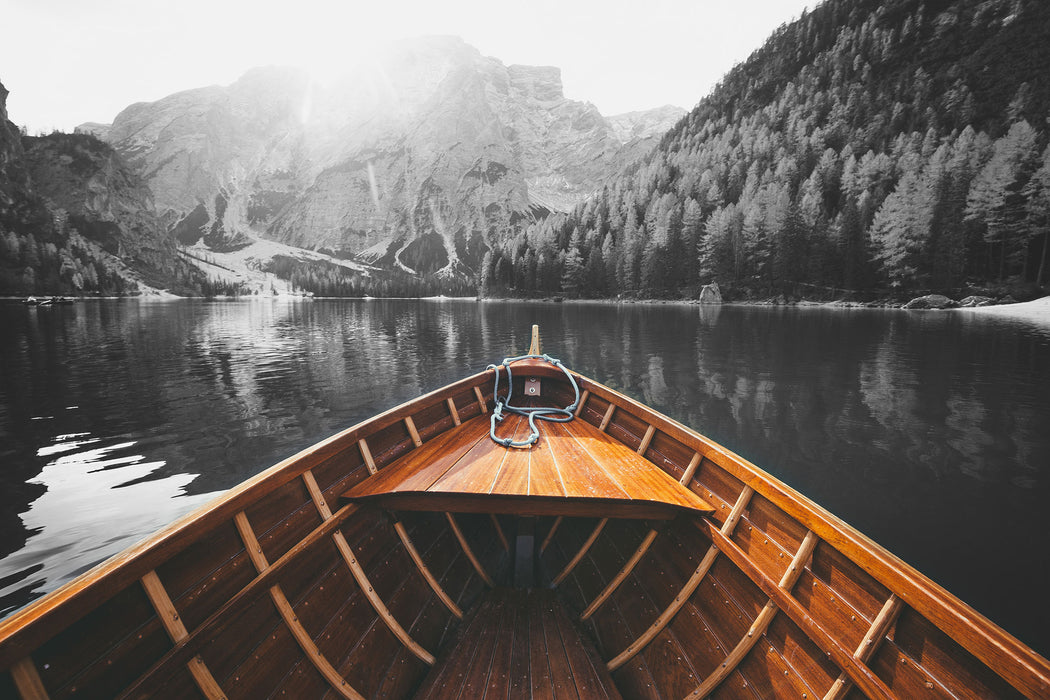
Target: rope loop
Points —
{"points": [[503, 405]]}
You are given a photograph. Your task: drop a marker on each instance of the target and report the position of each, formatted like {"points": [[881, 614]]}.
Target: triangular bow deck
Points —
{"points": [[573, 470]]}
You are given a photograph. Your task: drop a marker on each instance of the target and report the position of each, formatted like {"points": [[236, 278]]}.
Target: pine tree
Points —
{"points": [[790, 256], [996, 199], [1037, 192], [485, 276], [901, 230], [572, 276]]}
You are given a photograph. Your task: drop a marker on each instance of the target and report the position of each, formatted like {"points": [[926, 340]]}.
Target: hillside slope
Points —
{"points": [[74, 219], [867, 148]]}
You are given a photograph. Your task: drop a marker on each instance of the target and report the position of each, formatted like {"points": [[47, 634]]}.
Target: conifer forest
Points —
{"points": [[869, 148]]}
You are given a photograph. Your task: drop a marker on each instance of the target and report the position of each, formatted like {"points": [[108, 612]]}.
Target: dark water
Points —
{"points": [[930, 432]]}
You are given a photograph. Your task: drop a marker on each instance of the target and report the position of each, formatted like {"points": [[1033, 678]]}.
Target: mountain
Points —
{"points": [[75, 219], [416, 161], [870, 149]]}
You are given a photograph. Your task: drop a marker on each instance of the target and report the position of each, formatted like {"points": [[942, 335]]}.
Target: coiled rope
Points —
{"points": [[503, 405]]}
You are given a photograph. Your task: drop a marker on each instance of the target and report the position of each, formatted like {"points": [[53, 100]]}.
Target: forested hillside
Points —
{"points": [[75, 220], [870, 147]]}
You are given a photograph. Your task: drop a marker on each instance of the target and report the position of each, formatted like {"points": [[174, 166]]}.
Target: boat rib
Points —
{"points": [[169, 617], [475, 562], [861, 675], [878, 630], [362, 579], [27, 680], [291, 621], [687, 590], [581, 552], [761, 622]]}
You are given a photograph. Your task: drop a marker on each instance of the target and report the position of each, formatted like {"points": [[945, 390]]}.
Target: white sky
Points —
{"points": [[69, 61]]}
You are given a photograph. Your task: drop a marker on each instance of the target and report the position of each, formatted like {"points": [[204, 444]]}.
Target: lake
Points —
{"points": [[928, 431]]}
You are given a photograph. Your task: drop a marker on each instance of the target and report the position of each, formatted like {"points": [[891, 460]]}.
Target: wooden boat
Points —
{"points": [[621, 555]]}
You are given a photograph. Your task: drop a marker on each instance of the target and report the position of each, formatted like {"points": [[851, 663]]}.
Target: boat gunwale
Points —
{"points": [[988, 642], [27, 629]]}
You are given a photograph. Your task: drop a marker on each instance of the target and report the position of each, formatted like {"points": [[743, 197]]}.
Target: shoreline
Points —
{"points": [[1036, 311]]}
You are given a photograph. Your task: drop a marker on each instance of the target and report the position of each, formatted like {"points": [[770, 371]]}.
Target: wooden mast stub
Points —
{"points": [[534, 346]]}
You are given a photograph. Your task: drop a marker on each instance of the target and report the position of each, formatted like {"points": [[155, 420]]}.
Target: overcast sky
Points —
{"points": [[69, 61]]}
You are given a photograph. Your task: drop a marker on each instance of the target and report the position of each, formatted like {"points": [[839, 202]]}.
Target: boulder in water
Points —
{"points": [[932, 301], [710, 294]]}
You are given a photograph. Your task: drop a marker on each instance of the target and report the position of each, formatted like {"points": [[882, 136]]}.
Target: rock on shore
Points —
{"points": [[932, 301]]}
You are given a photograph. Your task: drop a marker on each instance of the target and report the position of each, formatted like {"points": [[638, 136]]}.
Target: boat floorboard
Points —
{"points": [[573, 470], [518, 643]]}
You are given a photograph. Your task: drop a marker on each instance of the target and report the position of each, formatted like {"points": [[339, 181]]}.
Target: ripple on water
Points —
{"points": [[99, 498]]}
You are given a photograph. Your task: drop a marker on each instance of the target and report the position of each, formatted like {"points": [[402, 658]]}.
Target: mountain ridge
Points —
{"points": [[416, 161]]}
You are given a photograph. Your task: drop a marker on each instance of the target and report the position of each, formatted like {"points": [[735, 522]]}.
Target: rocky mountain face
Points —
{"points": [[74, 218], [90, 189], [211, 154], [416, 160], [12, 173]]}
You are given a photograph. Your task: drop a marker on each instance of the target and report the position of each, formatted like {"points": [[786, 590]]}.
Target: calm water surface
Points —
{"points": [[928, 431]]}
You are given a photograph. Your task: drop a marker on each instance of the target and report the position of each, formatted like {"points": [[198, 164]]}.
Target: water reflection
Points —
{"points": [[97, 501], [116, 417]]}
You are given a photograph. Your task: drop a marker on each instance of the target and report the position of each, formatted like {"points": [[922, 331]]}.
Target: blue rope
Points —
{"points": [[503, 405]]}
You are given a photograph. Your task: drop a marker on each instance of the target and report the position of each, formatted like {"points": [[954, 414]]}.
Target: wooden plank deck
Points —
{"points": [[574, 469], [518, 643]]}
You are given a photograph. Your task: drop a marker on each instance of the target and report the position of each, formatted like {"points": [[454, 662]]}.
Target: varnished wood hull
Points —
{"points": [[281, 587]]}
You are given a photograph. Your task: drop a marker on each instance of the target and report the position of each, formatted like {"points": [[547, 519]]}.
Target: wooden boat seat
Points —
{"points": [[518, 643], [573, 470]]}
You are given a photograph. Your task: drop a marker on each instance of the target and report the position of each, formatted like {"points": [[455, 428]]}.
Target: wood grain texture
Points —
{"points": [[309, 648], [580, 552], [550, 533], [1025, 670], [760, 624], [453, 411], [366, 454], [27, 629], [27, 680], [690, 585], [315, 494], [624, 572], [362, 579], [936, 629], [571, 468], [418, 470], [866, 649], [411, 425], [861, 675], [222, 618], [519, 644], [377, 603], [290, 619], [583, 400], [646, 439], [424, 571], [469, 551], [176, 630], [690, 469]]}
